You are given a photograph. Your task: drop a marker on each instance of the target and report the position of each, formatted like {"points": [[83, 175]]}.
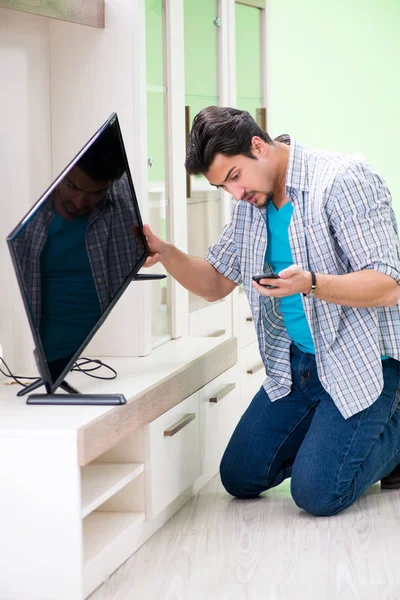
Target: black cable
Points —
{"points": [[16, 378], [98, 365], [79, 365]]}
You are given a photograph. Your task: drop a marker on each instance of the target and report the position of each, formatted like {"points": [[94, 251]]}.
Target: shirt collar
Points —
{"points": [[296, 173]]}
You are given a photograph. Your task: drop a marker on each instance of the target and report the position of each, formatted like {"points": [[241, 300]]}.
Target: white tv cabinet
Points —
{"points": [[83, 487]]}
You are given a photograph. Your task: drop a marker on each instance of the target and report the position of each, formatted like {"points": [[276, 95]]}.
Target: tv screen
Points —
{"points": [[77, 250]]}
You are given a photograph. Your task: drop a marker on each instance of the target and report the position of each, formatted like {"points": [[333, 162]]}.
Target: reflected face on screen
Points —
{"points": [[80, 245], [77, 194]]}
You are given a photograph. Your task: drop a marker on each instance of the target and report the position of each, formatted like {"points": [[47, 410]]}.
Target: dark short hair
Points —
{"points": [[104, 159], [220, 130]]}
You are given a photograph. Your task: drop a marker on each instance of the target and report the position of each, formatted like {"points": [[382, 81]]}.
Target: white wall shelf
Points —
{"points": [[101, 481], [100, 529], [84, 12]]}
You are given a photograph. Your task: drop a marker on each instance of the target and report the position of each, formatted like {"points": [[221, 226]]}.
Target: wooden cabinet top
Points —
{"points": [[151, 384]]}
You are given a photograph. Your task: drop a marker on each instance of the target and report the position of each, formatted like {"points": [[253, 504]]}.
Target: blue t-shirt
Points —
{"points": [[279, 256], [70, 305]]}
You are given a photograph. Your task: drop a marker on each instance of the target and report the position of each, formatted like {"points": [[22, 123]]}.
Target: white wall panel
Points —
{"points": [[25, 157], [92, 75]]}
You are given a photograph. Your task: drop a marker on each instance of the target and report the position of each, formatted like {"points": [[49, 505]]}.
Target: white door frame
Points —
{"points": [[174, 76], [263, 6], [174, 154]]}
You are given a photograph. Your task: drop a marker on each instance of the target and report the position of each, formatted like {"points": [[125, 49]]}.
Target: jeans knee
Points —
{"points": [[314, 497], [234, 480]]}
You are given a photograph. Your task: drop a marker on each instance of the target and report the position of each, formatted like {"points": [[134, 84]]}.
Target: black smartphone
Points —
{"points": [[269, 275], [149, 276]]}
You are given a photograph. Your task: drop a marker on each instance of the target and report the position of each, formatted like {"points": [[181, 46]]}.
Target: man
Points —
{"points": [[77, 249], [328, 330]]}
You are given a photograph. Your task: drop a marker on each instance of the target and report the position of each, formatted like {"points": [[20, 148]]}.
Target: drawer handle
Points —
{"points": [[180, 425], [254, 369], [217, 333], [249, 319], [223, 392]]}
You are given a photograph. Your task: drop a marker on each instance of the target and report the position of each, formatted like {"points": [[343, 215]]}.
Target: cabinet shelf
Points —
{"points": [[101, 481], [100, 529], [84, 12]]}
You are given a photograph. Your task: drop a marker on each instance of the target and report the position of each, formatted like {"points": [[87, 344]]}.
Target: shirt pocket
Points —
{"points": [[321, 252]]}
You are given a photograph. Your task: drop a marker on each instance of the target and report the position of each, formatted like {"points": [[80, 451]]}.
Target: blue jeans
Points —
{"points": [[331, 460]]}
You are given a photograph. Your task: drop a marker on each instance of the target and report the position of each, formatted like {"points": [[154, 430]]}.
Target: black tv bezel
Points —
{"points": [[39, 354]]}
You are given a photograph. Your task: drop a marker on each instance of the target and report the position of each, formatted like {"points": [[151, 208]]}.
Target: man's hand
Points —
{"points": [[157, 247], [293, 280], [195, 274], [360, 289]]}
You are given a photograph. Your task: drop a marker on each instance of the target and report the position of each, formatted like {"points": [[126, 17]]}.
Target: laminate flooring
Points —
{"points": [[220, 548]]}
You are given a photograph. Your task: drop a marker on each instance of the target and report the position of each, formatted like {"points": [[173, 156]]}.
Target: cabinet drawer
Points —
{"points": [[247, 332], [173, 452], [252, 373], [220, 410], [214, 319]]}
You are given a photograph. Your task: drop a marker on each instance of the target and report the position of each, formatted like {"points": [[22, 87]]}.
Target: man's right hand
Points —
{"points": [[195, 274], [156, 246]]}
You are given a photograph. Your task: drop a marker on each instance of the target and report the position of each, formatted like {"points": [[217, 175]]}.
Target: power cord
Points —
{"points": [[80, 365], [83, 360], [16, 378]]}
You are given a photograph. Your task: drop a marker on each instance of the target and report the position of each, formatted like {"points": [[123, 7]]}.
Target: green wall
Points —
{"points": [[201, 66], [201, 84], [248, 68], [334, 78]]}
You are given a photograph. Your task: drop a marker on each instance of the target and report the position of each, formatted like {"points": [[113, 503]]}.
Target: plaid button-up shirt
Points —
{"points": [[112, 246], [342, 222]]}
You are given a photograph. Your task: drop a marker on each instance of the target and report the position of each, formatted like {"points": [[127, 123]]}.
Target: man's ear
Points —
{"points": [[258, 146]]}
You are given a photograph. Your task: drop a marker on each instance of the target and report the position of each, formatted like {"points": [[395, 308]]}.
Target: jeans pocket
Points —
{"points": [[396, 395], [396, 402]]}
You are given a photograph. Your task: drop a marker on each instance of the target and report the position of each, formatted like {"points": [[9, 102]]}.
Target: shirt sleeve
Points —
{"points": [[364, 222], [223, 255]]}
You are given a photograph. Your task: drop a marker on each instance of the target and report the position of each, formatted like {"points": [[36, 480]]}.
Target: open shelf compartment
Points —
{"points": [[101, 481]]}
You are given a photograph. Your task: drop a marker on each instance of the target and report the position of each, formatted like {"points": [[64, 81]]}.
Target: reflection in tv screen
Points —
{"points": [[79, 246]]}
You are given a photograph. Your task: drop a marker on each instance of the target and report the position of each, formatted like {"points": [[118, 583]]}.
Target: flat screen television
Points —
{"points": [[75, 253]]}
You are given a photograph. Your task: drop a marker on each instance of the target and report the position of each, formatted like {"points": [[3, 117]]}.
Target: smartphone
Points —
{"points": [[269, 275]]}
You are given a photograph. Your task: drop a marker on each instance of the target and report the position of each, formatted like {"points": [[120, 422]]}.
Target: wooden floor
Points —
{"points": [[220, 548]]}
